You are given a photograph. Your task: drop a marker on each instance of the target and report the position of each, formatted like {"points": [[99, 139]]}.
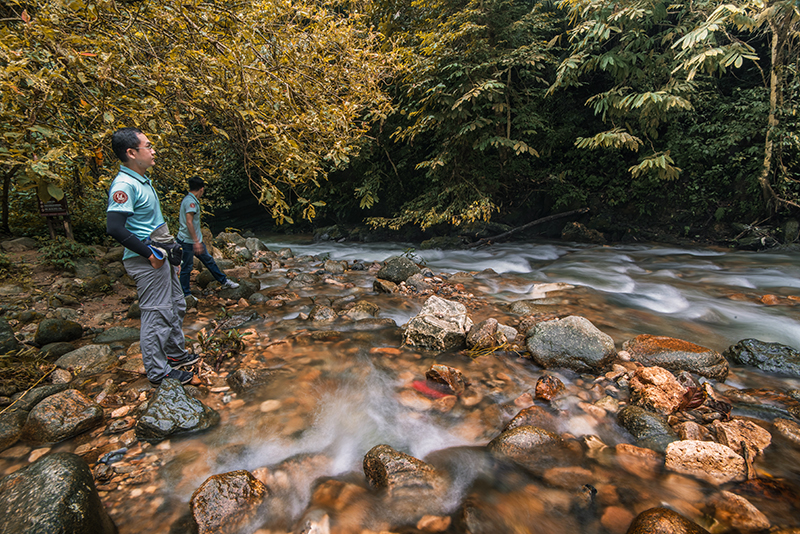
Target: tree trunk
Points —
{"points": [[5, 200]]}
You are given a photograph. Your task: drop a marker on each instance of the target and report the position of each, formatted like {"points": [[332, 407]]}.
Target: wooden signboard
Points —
{"points": [[53, 210]]}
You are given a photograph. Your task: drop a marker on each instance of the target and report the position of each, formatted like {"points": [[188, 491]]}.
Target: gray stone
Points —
{"points": [[571, 343], [20, 244], [88, 360], [335, 267], [397, 269], [86, 268], [254, 245], [418, 282], [362, 310], [244, 253], [8, 342], [54, 330], [322, 314], [62, 416], [247, 286], [99, 284], [134, 311], [115, 270], [303, 280], [114, 254], [650, 429], [54, 494], [118, 334], [770, 357], [440, 325], [173, 412], [25, 401], [224, 238]]}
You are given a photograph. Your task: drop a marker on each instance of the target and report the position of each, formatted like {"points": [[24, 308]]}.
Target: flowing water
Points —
{"points": [[341, 390]]}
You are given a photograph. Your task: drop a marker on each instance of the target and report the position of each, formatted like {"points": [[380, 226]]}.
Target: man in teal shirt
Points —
{"points": [[191, 238], [133, 214]]}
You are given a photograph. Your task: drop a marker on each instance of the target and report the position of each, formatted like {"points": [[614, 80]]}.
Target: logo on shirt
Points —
{"points": [[191, 204], [120, 197]]}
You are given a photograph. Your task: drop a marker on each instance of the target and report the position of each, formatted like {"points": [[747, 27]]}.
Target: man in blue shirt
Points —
{"points": [[133, 214], [191, 238]]}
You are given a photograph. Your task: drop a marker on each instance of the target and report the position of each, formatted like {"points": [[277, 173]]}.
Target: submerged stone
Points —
{"points": [[227, 503], [650, 429], [677, 355], [770, 357], [173, 412]]}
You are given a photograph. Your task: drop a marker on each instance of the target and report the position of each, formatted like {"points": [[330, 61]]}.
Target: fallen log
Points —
{"points": [[505, 235]]}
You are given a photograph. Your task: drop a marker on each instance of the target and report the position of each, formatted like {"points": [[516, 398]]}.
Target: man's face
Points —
{"points": [[143, 156]]}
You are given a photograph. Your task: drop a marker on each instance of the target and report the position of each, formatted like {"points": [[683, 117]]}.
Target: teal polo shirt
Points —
{"points": [[133, 194], [190, 204]]}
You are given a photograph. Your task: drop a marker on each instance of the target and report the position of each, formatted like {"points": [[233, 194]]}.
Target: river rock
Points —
{"points": [[54, 330], [53, 351], [88, 360], [440, 325], [303, 280], [362, 310], [788, 429], [677, 355], [227, 503], [656, 389], [254, 245], [579, 233], [118, 334], [418, 283], [533, 416], [397, 269], [26, 400], [713, 462], [322, 314], [738, 512], [571, 343], [56, 493], [247, 286], [11, 424], [172, 412], [650, 429], [384, 286], [335, 267], [483, 335], [20, 244], [449, 376], [639, 461], [770, 357], [245, 379], [8, 342], [663, 521], [737, 431], [224, 238], [533, 448], [62, 416], [548, 387]]}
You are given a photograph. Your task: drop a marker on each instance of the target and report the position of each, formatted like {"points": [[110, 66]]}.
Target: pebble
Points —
{"points": [[121, 411], [38, 453], [269, 405]]}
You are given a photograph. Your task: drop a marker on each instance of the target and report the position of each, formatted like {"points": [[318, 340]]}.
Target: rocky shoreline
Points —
{"points": [[94, 417]]}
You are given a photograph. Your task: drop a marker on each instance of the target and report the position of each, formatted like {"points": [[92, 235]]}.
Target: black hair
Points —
{"points": [[122, 140], [195, 183]]}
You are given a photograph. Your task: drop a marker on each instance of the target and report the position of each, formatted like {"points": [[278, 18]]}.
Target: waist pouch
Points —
{"points": [[165, 243]]}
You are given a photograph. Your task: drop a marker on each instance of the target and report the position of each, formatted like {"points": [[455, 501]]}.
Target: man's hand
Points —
{"points": [[198, 248], [155, 262]]}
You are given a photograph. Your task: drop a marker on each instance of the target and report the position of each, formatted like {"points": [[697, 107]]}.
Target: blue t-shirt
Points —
{"points": [[133, 194], [190, 204]]}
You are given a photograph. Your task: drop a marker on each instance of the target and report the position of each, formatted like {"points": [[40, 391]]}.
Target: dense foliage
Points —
{"points": [[420, 112]]}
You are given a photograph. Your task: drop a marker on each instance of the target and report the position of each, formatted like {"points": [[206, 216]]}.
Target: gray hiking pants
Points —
{"points": [[163, 308]]}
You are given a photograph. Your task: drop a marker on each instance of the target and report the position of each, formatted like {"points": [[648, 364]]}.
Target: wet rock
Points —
{"points": [[54, 494], [335, 267], [245, 379], [54, 330], [577, 232], [362, 310], [53, 351], [663, 521], [225, 238], [62, 416], [677, 355], [483, 335], [449, 376], [713, 462], [322, 314], [384, 286], [788, 429], [650, 429], [247, 286], [548, 387], [736, 432], [8, 342], [440, 325], [172, 412], [571, 343], [11, 424], [88, 360], [656, 389], [418, 283], [770, 357], [616, 519], [397, 269], [692, 431], [570, 478], [533, 416], [738, 512], [227, 503], [303, 280], [253, 244], [26, 400], [638, 461], [533, 448], [117, 334]]}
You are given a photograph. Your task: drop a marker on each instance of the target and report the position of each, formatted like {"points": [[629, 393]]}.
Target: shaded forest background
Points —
{"points": [[425, 114]]}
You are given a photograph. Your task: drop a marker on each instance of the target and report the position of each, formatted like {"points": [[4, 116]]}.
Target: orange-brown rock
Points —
{"points": [[677, 355]]}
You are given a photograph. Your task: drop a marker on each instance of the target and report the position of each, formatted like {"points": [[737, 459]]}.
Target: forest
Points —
{"points": [[430, 114]]}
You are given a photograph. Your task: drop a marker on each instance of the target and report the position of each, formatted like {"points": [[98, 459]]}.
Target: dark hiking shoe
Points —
{"points": [[177, 363], [181, 376]]}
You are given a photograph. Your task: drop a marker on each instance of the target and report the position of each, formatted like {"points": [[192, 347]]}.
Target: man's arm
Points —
{"points": [[115, 227], [197, 246]]}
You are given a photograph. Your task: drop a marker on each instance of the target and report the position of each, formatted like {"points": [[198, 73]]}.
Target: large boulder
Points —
{"points": [[651, 430], [770, 357], [713, 462], [571, 343], [663, 521], [440, 325], [54, 494], [54, 330], [88, 360], [172, 412], [62, 416], [677, 355], [397, 269], [227, 503]]}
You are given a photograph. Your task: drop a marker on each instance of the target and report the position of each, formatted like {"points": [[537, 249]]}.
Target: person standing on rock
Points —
{"points": [[191, 238], [132, 217]]}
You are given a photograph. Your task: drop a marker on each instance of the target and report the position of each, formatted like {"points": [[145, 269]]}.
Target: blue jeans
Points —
{"points": [[188, 261]]}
